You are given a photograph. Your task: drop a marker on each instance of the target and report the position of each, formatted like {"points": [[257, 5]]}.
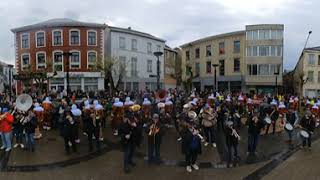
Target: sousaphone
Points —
{"points": [[24, 102]]}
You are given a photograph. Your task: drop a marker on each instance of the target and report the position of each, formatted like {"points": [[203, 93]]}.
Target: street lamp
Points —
{"points": [[67, 55], [276, 87], [10, 79], [215, 76], [305, 45], [158, 54]]}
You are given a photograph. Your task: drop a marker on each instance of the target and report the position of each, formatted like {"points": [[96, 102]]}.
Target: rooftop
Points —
{"points": [[58, 23], [214, 37], [317, 48], [134, 32]]}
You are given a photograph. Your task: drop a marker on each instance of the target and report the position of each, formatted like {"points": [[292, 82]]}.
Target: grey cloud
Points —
{"points": [[178, 21]]}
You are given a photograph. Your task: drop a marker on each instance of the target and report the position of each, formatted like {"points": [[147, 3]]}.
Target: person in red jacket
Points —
{"points": [[6, 120]]}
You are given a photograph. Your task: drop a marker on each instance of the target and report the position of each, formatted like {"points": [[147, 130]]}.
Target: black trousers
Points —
{"points": [[209, 133], [95, 133], [306, 140], [71, 139], [153, 151], [128, 152], [191, 157], [273, 127], [232, 147]]}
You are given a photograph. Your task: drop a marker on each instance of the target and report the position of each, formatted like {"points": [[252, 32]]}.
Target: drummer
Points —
{"points": [[274, 115], [290, 123], [307, 124]]}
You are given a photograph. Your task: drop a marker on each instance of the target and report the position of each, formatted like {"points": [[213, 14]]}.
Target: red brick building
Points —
{"points": [[43, 47]]}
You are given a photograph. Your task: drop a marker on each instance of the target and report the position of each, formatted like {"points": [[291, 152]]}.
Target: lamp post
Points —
{"points": [[158, 54], [10, 79], [276, 87], [215, 76], [67, 55]]}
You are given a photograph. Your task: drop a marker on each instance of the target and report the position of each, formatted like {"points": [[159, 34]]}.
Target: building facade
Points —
{"points": [[133, 51], [245, 60], [170, 63], [263, 58], [307, 73], [44, 47], [226, 51]]}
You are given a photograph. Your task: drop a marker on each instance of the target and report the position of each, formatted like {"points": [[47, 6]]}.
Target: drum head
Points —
{"points": [[267, 120], [288, 127], [304, 134]]}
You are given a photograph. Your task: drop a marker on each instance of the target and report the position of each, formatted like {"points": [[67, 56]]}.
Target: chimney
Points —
{"points": [[129, 28]]}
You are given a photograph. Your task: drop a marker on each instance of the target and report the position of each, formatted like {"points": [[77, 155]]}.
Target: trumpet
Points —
{"points": [[153, 130]]}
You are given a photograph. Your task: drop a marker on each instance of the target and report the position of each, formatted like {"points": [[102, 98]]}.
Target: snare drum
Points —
{"points": [[267, 120], [288, 127], [304, 134]]}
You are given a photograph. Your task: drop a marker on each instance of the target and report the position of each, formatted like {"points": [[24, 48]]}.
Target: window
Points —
{"points": [[279, 34], [75, 60], [263, 69], [264, 34], [255, 35], [149, 66], [318, 76], [25, 41], [197, 68], [208, 67], [57, 37], [41, 61], [236, 47], [221, 67], [254, 50], [74, 37], [252, 69], [319, 60], [40, 39], [221, 48], [134, 72], [197, 55], [122, 43], [187, 55], [57, 61], [273, 51], [263, 50], [92, 59], [279, 51], [92, 38], [236, 65], [208, 50], [249, 35], [122, 67], [25, 61], [310, 76], [134, 45], [311, 60], [249, 51], [274, 69], [158, 48], [149, 48], [273, 34]]}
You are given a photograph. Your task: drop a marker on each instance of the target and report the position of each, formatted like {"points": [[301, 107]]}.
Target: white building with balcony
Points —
{"points": [[132, 52]]}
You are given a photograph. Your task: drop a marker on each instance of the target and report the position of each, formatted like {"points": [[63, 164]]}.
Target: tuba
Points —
{"points": [[24, 102], [161, 95]]}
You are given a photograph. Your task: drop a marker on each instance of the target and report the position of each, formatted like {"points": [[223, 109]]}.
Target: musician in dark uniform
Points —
{"points": [[308, 124], [69, 133], [154, 131], [129, 139], [291, 119], [254, 128], [191, 146], [232, 141], [274, 115], [90, 127]]}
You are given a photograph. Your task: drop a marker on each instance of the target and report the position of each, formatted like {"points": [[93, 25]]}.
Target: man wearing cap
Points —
{"points": [[154, 132], [6, 129]]}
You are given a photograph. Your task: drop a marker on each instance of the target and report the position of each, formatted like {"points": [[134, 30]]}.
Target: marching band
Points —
{"points": [[196, 118]]}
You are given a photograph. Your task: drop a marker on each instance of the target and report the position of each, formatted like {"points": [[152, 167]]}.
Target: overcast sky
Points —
{"points": [[177, 21]]}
